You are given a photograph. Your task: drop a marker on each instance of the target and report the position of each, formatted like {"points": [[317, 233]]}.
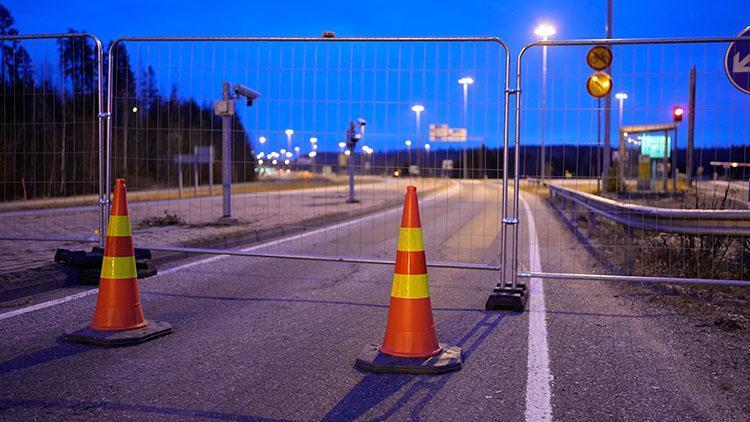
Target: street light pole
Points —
{"points": [[465, 82], [544, 31], [418, 108], [621, 96]]}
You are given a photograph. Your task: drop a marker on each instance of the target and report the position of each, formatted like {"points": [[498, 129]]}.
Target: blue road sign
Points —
{"points": [[737, 62]]}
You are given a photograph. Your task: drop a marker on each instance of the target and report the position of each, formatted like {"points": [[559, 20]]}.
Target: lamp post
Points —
{"points": [[545, 31], [418, 108], [289, 133], [621, 96], [313, 153], [465, 82], [408, 149]]}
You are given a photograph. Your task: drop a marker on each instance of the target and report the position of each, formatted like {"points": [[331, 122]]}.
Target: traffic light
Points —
{"points": [[677, 113]]}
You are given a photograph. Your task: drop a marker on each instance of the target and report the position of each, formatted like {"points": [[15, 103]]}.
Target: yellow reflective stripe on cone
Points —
{"points": [[413, 286], [410, 240], [120, 267], [119, 225]]}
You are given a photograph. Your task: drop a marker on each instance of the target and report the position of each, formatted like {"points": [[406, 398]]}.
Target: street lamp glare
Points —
{"points": [[418, 108], [342, 144], [313, 140], [262, 139], [427, 147], [466, 81], [407, 142], [289, 132], [135, 109], [545, 30], [621, 96]]}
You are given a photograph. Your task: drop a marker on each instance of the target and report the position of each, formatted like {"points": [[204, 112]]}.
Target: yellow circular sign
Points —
{"points": [[599, 85], [599, 57]]}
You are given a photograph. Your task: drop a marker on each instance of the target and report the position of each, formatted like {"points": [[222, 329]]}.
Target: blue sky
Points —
{"points": [[654, 85]]}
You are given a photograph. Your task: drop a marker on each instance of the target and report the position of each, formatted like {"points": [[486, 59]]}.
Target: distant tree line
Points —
{"points": [[49, 126]]}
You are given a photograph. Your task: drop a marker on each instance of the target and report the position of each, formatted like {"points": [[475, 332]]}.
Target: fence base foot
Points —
{"points": [[88, 265], [506, 298], [372, 360], [87, 335], [226, 221], [352, 201]]}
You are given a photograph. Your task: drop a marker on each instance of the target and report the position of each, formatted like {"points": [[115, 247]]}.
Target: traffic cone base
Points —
{"points": [[410, 343], [118, 318]]}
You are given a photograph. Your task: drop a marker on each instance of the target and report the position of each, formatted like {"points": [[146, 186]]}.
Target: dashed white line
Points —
{"points": [[539, 378], [177, 268]]}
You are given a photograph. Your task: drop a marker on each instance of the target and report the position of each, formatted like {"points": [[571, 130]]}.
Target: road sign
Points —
{"points": [[599, 85], [599, 57], [443, 133], [737, 62]]}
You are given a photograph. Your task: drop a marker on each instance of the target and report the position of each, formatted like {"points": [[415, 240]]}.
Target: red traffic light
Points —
{"points": [[677, 113]]}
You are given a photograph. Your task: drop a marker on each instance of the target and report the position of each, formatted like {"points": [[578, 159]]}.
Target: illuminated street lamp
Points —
{"points": [[408, 148], [465, 82], [135, 109], [289, 133], [545, 31], [262, 140], [621, 96], [418, 109]]}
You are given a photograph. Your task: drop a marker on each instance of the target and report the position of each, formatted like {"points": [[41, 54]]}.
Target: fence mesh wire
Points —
{"points": [[49, 145], [565, 127], [289, 157]]}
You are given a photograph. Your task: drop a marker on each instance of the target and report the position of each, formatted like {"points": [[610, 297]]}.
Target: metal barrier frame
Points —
{"points": [[103, 202], [516, 177], [456, 265]]}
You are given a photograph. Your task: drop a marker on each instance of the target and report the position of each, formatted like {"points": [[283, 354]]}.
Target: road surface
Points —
{"points": [[264, 339]]}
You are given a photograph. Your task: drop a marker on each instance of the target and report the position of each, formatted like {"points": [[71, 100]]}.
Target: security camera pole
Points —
{"points": [[351, 141], [225, 109]]}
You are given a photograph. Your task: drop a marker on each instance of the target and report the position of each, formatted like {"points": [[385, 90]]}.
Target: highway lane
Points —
{"points": [[277, 339]]}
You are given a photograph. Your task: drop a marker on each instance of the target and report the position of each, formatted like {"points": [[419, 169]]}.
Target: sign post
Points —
{"points": [[737, 62]]}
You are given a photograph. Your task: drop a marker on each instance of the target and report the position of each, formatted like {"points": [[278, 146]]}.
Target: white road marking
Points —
{"points": [[383, 213], [47, 304], [539, 378]]}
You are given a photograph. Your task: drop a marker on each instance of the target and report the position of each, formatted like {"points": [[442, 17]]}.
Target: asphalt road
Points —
{"points": [[274, 339]]}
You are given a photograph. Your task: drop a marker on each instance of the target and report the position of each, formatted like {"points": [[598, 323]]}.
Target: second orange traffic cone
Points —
{"points": [[411, 330], [410, 344], [118, 317]]}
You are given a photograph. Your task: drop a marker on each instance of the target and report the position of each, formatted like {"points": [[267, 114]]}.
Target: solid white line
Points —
{"points": [[47, 304], [383, 213], [539, 378]]}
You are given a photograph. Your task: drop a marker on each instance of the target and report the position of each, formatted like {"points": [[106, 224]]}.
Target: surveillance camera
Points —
{"points": [[361, 121], [250, 94]]}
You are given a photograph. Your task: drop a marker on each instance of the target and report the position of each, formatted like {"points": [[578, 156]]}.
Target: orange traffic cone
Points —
{"points": [[410, 344], [118, 317]]}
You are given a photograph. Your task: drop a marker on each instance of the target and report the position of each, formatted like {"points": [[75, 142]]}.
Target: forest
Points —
{"points": [[49, 124]]}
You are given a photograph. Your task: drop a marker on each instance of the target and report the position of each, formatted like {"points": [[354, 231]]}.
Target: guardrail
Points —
{"points": [[665, 220]]}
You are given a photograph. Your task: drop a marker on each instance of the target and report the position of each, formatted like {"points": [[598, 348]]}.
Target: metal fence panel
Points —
{"points": [[51, 144], [640, 218], [290, 162]]}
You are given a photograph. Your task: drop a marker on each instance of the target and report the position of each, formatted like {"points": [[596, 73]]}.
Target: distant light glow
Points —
{"points": [[407, 142], [427, 147], [621, 96], [274, 162], [313, 140], [466, 81], [545, 31], [262, 139], [417, 108], [296, 149], [347, 152], [312, 154], [289, 132], [288, 155], [342, 144], [287, 161], [135, 109]]}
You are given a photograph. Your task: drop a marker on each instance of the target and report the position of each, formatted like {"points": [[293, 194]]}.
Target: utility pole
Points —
{"points": [[608, 102], [226, 156], [691, 130]]}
